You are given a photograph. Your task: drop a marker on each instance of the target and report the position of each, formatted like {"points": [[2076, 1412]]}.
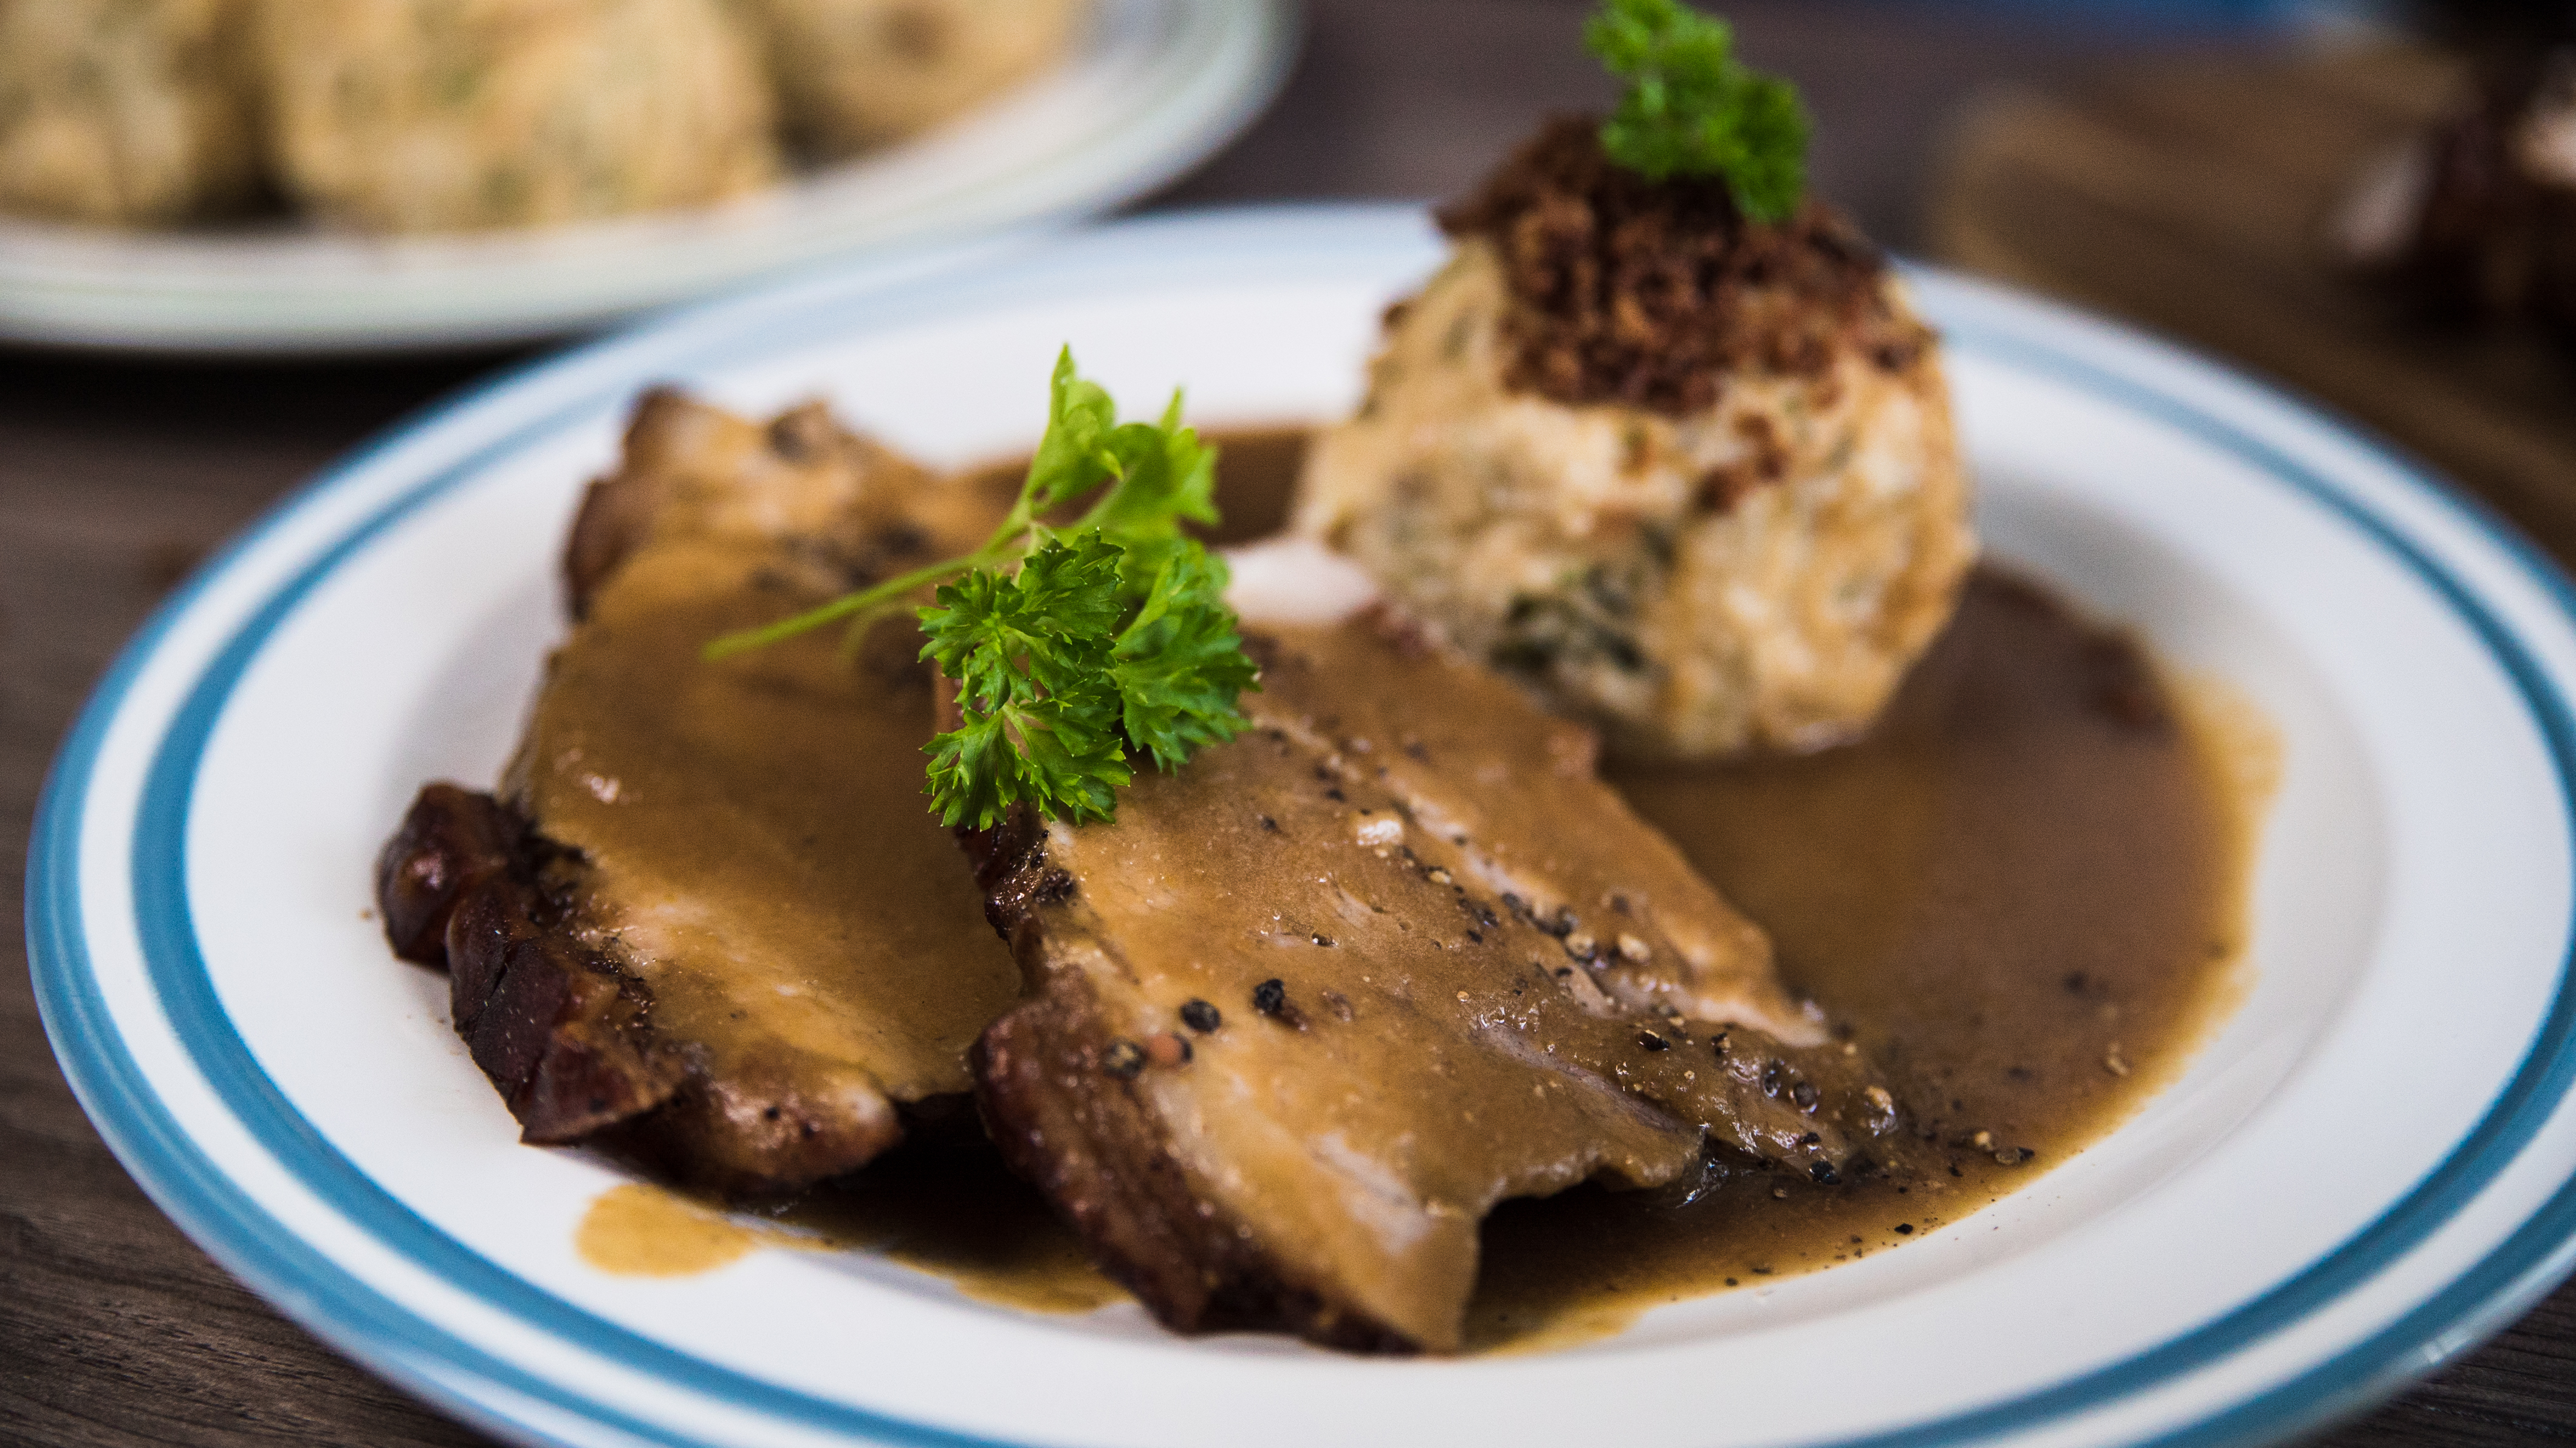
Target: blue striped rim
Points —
{"points": [[402, 1344]]}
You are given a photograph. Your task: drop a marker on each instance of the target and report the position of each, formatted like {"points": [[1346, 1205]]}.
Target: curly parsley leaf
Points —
{"points": [[1692, 109], [1074, 455], [1165, 475], [1080, 648], [1014, 638], [1050, 754], [1073, 663], [1180, 665]]}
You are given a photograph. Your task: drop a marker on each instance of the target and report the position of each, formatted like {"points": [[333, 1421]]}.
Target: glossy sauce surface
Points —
{"points": [[2022, 896], [755, 845]]}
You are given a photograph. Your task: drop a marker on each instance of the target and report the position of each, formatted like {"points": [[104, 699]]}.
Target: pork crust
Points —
{"points": [[566, 1034], [610, 918], [1297, 1019]]}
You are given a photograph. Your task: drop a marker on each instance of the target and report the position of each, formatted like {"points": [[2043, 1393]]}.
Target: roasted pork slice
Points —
{"points": [[708, 917], [1690, 476], [464, 884], [1313, 1004]]}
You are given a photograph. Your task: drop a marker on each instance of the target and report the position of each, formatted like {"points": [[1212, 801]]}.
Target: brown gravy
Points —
{"points": [[947, 1207], [641, 1230], [2023, 894]]}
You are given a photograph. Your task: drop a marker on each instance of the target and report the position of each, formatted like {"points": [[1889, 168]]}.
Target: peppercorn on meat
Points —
{"points": [[1311, 1006]]}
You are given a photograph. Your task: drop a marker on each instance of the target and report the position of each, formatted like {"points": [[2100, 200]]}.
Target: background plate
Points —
{"points": [[2369, 1165], [1149, 90]]}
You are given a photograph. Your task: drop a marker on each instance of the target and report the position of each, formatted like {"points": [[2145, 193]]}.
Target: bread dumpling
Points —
{"points": [[1690, 476], [853, 74], [450, 115], [124, 112]]}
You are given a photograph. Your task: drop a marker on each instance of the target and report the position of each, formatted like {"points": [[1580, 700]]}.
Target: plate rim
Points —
{"points": [[362, 1319]]}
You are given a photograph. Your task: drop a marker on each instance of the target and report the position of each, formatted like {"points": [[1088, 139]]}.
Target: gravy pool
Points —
{"points": [[2023, 894]]}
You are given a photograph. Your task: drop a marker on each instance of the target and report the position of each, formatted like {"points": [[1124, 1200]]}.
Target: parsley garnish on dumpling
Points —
{"points": [[1692, 109], [1665, 440], [1077, 650]]}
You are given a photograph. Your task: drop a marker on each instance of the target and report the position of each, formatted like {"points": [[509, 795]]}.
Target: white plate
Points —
{"points": [[2369, 1167], [1152, 87]]}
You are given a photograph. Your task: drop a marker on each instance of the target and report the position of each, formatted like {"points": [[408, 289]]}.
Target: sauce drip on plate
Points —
{"points": [[2024, 894]]}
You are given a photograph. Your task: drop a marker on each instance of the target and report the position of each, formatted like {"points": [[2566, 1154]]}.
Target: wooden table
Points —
{"points": [[117, 476]]}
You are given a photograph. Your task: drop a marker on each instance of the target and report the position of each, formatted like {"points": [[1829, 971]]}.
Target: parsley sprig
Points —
{"points": [[1692, 109], [1076, 648]]}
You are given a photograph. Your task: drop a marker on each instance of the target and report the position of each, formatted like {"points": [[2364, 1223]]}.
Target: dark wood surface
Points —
{"points": [[2194, 196], [117, 476]]}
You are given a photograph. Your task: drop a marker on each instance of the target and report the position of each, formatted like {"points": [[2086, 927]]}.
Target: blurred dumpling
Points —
{"points": [[857, 73], [434, 115], [124, 112]]}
